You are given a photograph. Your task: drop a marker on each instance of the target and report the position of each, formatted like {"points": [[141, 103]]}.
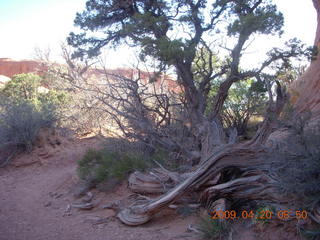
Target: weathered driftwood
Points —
{"points": [[155, 181], [139, 214], [158, 180]]}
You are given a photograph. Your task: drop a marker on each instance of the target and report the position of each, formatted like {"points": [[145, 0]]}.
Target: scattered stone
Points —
{"points": [[88, 198], [81, 188], [58, 195], [48, 204], [67, 211]]}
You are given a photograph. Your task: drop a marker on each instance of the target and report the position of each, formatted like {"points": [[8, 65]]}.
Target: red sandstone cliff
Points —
{"points": [[9, 67], [308, 86]]}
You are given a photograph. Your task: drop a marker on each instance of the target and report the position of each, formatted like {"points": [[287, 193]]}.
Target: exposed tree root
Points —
{"points": [[252, 185]]}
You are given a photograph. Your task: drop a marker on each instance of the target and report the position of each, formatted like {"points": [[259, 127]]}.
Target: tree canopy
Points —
{"points": [[189, 35], [172, 32]]}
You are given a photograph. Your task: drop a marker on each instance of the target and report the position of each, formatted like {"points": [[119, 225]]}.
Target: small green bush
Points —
{"points": [[22, 87], [24, 110], [101, 165], [213, 228], [21, 123]]}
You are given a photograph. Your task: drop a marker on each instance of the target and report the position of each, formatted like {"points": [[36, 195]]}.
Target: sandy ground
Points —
{"points": [[36, 189]]}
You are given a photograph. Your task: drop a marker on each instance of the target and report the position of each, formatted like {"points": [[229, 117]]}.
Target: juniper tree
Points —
{"points": [[172, 32]]}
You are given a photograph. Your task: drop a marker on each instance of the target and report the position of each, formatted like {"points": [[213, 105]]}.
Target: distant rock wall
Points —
{"points": [[9, 67]]}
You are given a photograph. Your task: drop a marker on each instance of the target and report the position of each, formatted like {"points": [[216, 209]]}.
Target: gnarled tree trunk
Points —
{"points": [[249, 158]]}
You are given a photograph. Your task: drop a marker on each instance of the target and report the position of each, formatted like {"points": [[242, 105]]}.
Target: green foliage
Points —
{"points": [[20, 123], [27, 88], [213, 228], [260, 216], [172, 34], [264, 19], [101, 165], [149, 24], [246, 99], [22, 87], [54, 100], [24, 110], [289, 75]]}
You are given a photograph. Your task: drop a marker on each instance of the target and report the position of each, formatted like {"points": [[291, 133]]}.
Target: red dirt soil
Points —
{"points": [[37, 188]]}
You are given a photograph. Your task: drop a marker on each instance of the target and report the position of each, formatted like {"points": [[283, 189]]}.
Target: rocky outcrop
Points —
{"points": [[9, 67], [305, 98], [307, 88]]}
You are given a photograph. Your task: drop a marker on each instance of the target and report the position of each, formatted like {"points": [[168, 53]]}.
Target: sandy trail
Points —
{"points": [[36, 188], [33, 200]]}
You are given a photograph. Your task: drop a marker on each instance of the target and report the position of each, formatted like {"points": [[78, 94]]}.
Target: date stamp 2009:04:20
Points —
{"points": [[262, 214]]}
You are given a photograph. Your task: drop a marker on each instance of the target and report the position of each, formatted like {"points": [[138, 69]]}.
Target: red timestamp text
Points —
{"points": [[262, 214]]}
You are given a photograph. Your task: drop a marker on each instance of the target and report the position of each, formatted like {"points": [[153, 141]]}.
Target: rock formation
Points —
{"points": [[308, 86], [9, 67]]}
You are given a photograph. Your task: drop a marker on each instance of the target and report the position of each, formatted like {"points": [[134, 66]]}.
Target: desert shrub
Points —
{"points": [[311, 234], [27, 88], [98, 166], [22, 87], [24, 110], [115, 162], [20, 123], [246, 100], [185, 210], [298, 174], [213, 228], [300, 177]]}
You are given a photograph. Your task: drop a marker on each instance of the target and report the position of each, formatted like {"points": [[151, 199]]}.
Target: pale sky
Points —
{"points": [[27, 24]]}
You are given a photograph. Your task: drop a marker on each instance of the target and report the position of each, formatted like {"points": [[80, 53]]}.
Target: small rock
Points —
{"points": [[48, 204], [88, 198], [58, 195], [81, 188]]}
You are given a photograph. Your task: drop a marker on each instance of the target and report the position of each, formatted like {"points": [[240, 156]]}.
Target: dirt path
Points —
{"points": [[33, 200], [36, 189]]}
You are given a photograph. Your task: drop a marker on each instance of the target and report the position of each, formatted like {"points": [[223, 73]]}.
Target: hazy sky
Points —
{"points": [[26, 24]]}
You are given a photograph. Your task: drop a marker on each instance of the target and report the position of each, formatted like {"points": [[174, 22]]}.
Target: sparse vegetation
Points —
{"points": [[185, 210], [262, 215], [212, 229], [298, 172], [98, 166], [201, 120], [24, 110], [20, 124], [311, 234]]}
